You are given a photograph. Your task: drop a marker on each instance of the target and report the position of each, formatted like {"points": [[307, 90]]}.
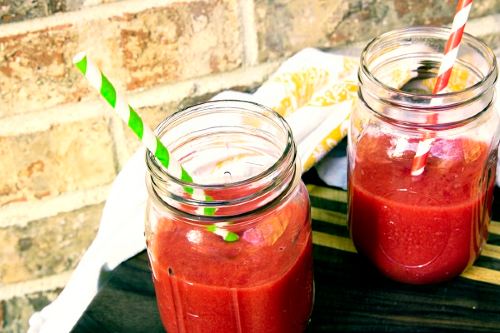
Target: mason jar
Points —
{"points": [[239, 257], [430, 227]]}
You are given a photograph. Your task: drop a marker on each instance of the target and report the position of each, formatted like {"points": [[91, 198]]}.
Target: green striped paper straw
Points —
{"points": [[218, 229], [101, 83]]}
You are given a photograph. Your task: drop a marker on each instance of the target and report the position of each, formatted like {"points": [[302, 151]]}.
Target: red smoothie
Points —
{"points": [[422, 229], [261, 283]]}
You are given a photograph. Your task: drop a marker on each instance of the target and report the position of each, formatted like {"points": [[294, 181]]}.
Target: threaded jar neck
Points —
{"points": [[396, 74], [240, 154]]}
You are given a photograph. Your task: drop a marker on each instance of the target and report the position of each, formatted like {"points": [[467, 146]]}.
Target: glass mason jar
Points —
{"points": [[431, 227], [240, 261]]}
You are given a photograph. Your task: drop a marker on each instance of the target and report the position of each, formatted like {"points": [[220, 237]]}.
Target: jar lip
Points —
{"points": [[225, 105], [241, 218], [439, 32]]}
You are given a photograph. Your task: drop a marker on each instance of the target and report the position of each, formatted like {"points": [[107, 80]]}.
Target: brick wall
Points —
{"points": [[61, 147]]}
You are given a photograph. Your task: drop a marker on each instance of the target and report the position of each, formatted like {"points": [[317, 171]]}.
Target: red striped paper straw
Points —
{"points": [[450, 55]]}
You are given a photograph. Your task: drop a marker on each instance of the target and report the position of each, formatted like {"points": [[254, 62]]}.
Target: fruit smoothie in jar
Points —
{"points": [[431, 227], [238, 257]]}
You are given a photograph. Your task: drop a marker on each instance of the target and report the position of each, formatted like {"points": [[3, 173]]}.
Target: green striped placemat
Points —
{"points": [[329, 215]]}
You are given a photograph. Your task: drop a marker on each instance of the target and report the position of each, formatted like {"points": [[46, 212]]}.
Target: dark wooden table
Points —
{"points": [[351, 296]]}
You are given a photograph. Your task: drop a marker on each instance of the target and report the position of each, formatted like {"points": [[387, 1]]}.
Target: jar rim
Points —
{"points": [[262, 188], [439, 32], [290, 144]]}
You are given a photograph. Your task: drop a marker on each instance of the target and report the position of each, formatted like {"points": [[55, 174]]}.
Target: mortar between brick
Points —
{"points": [[200, 86], [132, 6], [20, 214], [22, 288], [250, 44], [116, 128], [86, 14], [42, 120]]}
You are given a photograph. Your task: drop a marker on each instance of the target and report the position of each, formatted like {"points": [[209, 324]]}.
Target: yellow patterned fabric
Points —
{"points": [[314, 91], [459, 80]]}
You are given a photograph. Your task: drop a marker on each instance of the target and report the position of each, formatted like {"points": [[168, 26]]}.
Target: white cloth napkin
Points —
{"points": [[120, 236]]}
